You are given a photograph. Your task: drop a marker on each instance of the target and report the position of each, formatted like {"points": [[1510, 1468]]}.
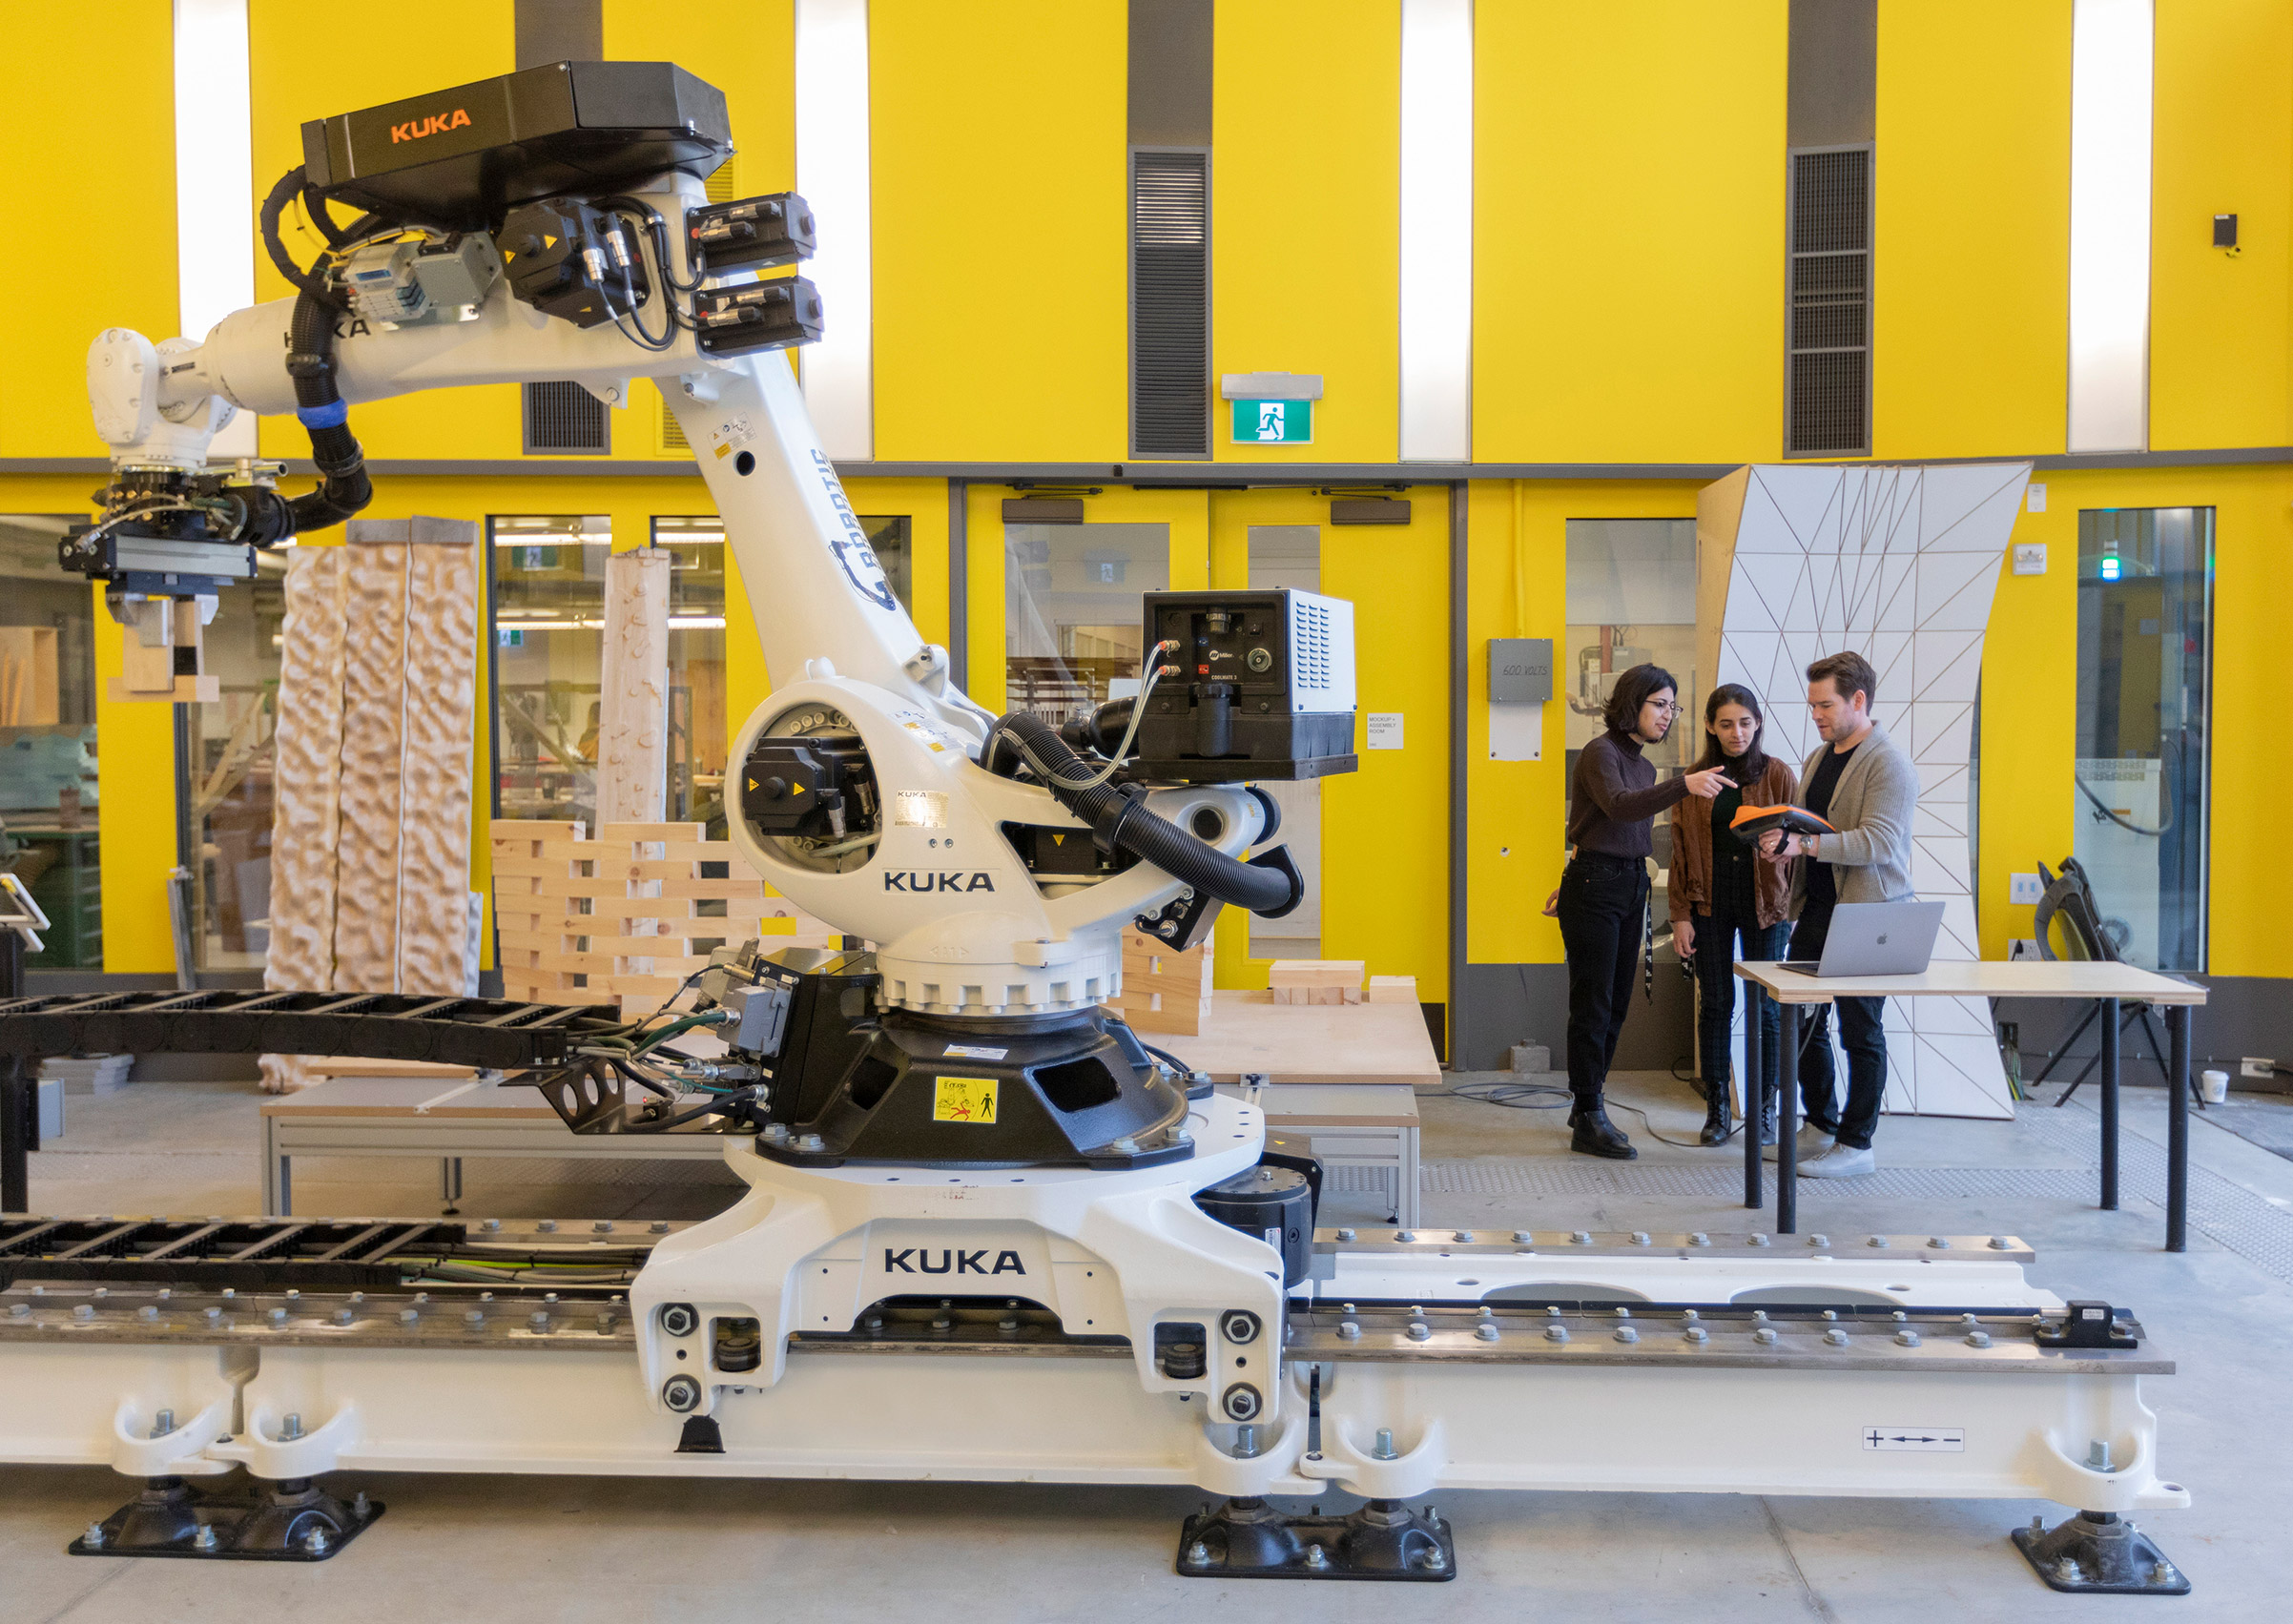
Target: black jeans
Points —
{"points": [[1604, 901], [1716, 935], [1866, 1039]]}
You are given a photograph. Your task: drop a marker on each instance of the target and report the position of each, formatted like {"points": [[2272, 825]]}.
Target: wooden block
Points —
{"points": [[183, 690], [651, 832], [1393, 990], [737, 888], [1316, 973], [1184, 1022], [536, 829]]}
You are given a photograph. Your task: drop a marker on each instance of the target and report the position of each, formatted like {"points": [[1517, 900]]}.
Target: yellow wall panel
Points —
{"points": [[91, 129], [1000, 184], [1305, 199], [1970, 254], [300, 72], [2224, 144], [1516, 811], [1629, 232]]}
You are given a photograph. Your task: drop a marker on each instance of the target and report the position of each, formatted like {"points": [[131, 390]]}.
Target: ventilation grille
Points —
{"points": [[1169, 304], [721, 186], [672, 433], [1829, 411], [564, 419], [1310, 641]]}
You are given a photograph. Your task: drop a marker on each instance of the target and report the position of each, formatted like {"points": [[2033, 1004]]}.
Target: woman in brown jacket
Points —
{"points": [[1720, 891]]}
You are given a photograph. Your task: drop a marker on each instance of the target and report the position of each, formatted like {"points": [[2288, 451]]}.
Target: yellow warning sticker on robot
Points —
{"points": [[964, 1098]]}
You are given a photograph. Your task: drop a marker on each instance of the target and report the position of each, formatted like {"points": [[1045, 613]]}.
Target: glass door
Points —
{"points": [[47, 789], [2145, 588]]}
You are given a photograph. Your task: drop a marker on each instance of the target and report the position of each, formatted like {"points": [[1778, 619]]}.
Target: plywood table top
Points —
{"points": [[1981, 979], [1250, 1035]]}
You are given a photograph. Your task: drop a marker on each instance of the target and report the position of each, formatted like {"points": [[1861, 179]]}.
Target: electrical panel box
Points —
{"points": [[1520, 671], [1260, 685]]}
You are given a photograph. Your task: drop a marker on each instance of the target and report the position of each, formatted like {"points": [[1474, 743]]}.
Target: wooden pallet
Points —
{"points": [[616, 920], [1164, 989]]}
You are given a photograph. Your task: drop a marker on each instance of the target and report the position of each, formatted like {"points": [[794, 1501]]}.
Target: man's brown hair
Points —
{"points": [[1849, 672]]}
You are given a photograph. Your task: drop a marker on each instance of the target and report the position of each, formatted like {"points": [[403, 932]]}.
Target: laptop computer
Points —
{"points": [[1876, 938]]}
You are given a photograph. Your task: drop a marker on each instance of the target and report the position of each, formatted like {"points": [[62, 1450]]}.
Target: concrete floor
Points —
{"points": [[568, 1550]]}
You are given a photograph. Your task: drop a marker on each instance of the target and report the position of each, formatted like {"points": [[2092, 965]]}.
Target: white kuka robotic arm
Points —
{"points": [[920, 836]]}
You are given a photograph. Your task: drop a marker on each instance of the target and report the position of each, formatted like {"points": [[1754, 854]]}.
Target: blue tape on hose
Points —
{"points": [[332, 416]]}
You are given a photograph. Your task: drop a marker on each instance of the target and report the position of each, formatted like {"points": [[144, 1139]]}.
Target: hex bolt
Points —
{"points": [[491, 1223], [409, 1316], [1622, 1313], [1998, 1243], [1009, 1327], [203, 1537], [315, 1541], [1383, 1449], [1199, 1555], [1419, 1330], [1697, 1334], [1579, 1238], [660, 1226], [291, 1429], [547, 1226], [83, 1311], [1879, 1241], [1405, 1234], [1521, 1237], [603, 1226], [279, 1316], [2066, 1570], [1346, 1235], [1625, 1333], [1907, 1338], [1940, 1242], [1765, 1336], [1640, 1238], [1700, 1238], [343, 1316], [1978, 1339], [2161, 1574], [94, 1538], [473, 1317], [1835, 1338], [22, 1310], [213, 1314], [1433, 1558], [163, 1423], [147, 1312], [1556, 1333], [539, 1318], [1316, 1556], [1124, 1146], [1819, 1241], [1486, 1330], [1350, 1330], [1760, 1240], [1465, 1234], [1246, 1442], [1899, 1316], [813, 1143], [2098, 1455], [358, 1507]]}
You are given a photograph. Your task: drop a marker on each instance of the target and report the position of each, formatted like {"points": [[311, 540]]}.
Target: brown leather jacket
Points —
{"points": [[1690, 879]]}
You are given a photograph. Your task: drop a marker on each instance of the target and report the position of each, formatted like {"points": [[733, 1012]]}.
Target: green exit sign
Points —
{"points": [[1272, 422]]}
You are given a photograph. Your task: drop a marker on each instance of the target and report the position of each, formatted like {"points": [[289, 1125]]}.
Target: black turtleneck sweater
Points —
{"points": [[1615, 796]]}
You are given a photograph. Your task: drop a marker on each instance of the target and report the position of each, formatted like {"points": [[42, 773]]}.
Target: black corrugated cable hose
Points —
{"points": [[1119, 819]]}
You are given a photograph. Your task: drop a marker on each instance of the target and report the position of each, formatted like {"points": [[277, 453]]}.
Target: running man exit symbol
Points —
{"points": [[1272, 422]]}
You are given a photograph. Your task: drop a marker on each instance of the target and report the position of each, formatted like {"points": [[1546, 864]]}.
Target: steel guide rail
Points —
{"points": [[495, 1034]]}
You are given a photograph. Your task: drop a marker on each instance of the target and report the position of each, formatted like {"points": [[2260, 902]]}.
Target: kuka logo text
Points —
{"points": [[950, 1261], [414, 130], [919, 880]]}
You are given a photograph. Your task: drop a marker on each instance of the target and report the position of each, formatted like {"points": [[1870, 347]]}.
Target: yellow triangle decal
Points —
{"points": [[796, 789], [1058, 840], [752, 783]]}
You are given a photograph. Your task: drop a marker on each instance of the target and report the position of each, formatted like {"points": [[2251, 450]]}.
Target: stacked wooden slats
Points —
{"points": [[615, 920], [1164, 989], [1315, 980]]}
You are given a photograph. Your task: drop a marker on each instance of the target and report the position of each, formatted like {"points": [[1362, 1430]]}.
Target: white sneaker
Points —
{"points": [[1811, 1144], [1842, 1161]]}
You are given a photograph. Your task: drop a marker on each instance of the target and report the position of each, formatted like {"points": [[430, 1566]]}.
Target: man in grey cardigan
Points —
{"points": [[1866, 788]]}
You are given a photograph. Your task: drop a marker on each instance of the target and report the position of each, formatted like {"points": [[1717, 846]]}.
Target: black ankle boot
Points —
{"points": [[1596, 1136], [1716, 1115]]}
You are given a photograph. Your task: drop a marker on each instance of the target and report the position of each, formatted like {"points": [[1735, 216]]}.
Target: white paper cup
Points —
{"points": [[2212, 1087]]}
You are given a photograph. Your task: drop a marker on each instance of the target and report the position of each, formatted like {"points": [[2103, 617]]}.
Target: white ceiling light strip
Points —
{"points": [[832, 173], [1437, 231], [215, 180], [2110, 88]]}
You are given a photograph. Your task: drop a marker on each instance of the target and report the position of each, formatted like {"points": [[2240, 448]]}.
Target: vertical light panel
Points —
{"points": [[832, 173], [2110, 225], [1437, 231], [214, 180]]}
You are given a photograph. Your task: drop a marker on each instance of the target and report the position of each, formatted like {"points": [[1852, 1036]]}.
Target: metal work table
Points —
{"points": [[2105, 984]]}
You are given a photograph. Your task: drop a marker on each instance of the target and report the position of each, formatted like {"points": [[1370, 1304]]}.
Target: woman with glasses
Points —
{"points": [[1602, 902], [1720, 891]]}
